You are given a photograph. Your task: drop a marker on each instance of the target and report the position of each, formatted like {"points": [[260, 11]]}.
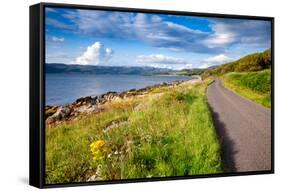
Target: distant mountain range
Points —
{"points": [[64, 68]]}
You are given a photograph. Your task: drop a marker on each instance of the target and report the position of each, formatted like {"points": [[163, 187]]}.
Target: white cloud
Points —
{"points": [[161, 33], [151, 29], [159, 59], [101, 23], [162, 61], [215, 60], [94, 55], [58, 24], [186, 66], [57, 39], [220, 59], [219, 35], [203, 66], [222, 36], [227, 32]]}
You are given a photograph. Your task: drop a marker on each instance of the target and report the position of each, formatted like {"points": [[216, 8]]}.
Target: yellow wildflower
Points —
{"points": [[99, 150]]}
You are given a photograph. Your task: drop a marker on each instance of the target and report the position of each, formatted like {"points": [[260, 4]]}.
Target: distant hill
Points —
{"points": [[190, 72], [249, 63], [83, 69]]}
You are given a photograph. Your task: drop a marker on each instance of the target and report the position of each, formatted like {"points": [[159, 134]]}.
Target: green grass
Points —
{"points": [[249, 63], [168, 133], [255, 86]]}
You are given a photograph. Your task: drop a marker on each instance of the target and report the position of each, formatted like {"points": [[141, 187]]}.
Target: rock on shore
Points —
{"points": [[94, 104]]}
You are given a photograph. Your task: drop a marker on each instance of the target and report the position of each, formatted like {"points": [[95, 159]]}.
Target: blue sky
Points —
{"points": [[92, 37]]}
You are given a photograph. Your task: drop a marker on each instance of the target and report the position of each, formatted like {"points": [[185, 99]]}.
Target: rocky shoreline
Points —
{"points": [[95, 104]]}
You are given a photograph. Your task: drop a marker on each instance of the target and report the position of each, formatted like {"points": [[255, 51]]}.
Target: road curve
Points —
{"points": [[244, 129]]}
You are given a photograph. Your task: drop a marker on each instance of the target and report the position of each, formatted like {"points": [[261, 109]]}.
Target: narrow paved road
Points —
{"points": [[244, 128]]}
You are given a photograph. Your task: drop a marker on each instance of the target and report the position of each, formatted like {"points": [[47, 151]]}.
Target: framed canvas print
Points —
{"points": [[123, 95]]}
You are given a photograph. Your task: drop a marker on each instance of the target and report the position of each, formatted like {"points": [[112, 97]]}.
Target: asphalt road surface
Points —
{"points": [[244, 129]]}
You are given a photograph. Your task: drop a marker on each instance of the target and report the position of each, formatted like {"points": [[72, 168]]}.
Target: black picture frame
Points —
{"points": [[37, 93]]}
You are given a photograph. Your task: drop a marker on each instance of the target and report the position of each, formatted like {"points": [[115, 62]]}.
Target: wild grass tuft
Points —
{"points": [[171, 135]]}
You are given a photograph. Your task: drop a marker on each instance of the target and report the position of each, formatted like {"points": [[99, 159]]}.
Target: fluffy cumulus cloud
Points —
{"points": [[94, 55], [162, 61], [215, 60]]}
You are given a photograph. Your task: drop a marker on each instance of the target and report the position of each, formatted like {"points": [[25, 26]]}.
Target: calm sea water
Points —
{"points": [[62, 89]]}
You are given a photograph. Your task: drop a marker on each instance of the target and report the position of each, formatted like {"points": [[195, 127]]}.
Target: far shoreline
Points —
{"points": [[94, 104], [188, 78]]}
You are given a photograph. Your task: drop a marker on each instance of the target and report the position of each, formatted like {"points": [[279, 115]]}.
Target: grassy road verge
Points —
{"points": [[255, 86], [168, 132]]}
